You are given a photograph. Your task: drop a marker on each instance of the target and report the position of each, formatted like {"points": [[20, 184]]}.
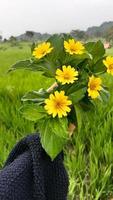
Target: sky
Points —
{"points": [[52, 16]]}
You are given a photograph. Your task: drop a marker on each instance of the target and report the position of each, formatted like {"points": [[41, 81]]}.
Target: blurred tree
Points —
{"points": [[29, 34], [108, 35], [78, 34], [0, 38], [5, 40], [12, 39]]}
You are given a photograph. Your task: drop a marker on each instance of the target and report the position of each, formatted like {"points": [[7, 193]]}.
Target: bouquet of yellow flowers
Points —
{"points": [[76, 69]]}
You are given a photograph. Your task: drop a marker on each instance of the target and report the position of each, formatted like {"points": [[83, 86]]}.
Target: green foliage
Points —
{"points": [[99, 31], [47, 68], [99, 67], [33, 112], [54, 135], [23, 64], [57, 55], [96, 49], [79, 35], [104, 95], [36, 96], [108, 35], [78, 95], [88, 155], [88, 63]]}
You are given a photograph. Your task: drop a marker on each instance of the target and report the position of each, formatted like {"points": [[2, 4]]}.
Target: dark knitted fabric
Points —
{"points": [[29, 174]]}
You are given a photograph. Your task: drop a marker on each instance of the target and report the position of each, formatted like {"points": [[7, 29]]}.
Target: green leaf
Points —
{"points": [[75, 60], [104, 95], [54, 135], [72, 116], [58, 54], [86, 104], [97, 51], [27, 64], [78, 95], [99, 67], [60, 127], [46, 67], [79, 116], [36, 96], [89, 46], [22, 64], [82, 110], [74, 87], [32, 47], [33, 112]]}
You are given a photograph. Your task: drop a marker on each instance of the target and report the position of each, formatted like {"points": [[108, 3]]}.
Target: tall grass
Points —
{"points": [[12, 87], [88, 157]]}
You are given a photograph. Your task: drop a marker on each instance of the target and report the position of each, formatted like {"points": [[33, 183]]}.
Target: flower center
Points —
{"points": [[73, 48], [43, 51], [111, 67], [93, 86], [58, 105], [66, 76]]}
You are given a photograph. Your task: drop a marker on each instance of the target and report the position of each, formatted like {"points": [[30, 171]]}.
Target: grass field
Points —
{"points": [[88, 158]]}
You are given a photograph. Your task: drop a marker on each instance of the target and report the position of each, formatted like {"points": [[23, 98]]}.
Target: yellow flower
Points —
{"points": [[74, 47], [66, 75], [58, 104], [42, 49], [109, 64], [94, 86]]}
